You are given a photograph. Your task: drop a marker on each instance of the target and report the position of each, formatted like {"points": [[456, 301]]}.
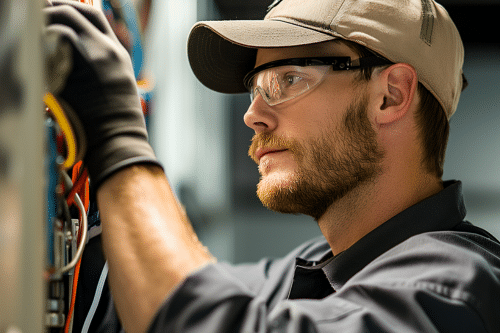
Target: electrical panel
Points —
{"points": [[22, 239]]}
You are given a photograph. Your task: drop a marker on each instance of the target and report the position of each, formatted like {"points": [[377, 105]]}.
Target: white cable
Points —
{"points": [[83, 239], [97, 298]]}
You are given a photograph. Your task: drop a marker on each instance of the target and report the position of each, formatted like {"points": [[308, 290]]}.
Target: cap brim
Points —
{"points": [[221, 53]]}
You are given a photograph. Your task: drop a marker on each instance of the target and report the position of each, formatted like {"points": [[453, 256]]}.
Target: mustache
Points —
{"points": [[267, 140]]}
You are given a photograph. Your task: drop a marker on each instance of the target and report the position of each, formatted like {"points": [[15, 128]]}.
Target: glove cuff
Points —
{"points": [[116, 155]]}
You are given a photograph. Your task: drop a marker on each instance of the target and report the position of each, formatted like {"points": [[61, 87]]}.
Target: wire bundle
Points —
{"points": [[77, 189]]}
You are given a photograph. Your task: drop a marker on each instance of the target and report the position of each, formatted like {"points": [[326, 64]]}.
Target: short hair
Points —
{"points": [[431, 119]]}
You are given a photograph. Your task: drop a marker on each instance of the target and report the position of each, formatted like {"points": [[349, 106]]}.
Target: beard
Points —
{"points": [[329, 167]]}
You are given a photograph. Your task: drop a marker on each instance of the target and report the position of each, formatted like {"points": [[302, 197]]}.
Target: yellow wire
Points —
{"points": [[63, 122]]}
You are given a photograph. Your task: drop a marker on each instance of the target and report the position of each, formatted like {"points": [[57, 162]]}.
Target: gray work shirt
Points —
{"points": [[424, 270]]}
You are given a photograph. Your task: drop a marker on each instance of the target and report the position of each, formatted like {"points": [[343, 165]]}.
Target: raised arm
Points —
{"points": [[148, 241]]}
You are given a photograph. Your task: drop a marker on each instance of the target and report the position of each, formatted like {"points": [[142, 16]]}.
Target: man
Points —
{"points": [[350, 108]]}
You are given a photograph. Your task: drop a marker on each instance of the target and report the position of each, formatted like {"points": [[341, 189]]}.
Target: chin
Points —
{"points": [[295, 194], [273, 189], [285, 195]]}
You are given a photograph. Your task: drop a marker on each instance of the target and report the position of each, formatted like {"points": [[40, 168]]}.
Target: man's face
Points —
{"points": [[314, 149]]}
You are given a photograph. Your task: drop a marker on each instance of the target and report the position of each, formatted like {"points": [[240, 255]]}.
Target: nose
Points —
{"points": [[260, 117]]}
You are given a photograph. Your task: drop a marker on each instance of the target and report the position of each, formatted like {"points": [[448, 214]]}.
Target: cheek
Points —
{"points": [[331, 103], [319, 115], [319, 110]]}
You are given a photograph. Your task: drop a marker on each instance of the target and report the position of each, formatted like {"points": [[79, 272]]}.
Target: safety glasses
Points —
{"points": [[282, 80]]}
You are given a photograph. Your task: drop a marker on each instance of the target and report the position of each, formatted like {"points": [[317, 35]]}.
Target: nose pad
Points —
{"points": [[259, 91]]}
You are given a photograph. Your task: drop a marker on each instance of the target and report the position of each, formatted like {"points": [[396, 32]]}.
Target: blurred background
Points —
{"points": [[200, 137]]}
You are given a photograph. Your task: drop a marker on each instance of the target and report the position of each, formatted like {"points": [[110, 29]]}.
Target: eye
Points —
{"points": [[291, 78]]}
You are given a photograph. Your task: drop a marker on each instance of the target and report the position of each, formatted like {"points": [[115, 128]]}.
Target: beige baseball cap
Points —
{"points": [[416, 32]]}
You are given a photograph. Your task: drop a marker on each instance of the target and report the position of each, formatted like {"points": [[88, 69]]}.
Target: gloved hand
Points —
{"points": [[101, 90]]}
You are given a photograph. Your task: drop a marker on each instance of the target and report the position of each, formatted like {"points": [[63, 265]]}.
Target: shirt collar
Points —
{"points": [[442, 211]]}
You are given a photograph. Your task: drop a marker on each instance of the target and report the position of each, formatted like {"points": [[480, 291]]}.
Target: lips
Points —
{"points": [[261, 152]]}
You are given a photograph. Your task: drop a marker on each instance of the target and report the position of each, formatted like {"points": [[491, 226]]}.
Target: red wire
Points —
{"points": [[78, 188]]}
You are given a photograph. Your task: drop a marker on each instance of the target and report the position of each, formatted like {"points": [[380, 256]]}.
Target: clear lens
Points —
{"points": [[280, 84]]}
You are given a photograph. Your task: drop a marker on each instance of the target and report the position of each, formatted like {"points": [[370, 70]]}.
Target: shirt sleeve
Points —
{"points": [[399, 292]]}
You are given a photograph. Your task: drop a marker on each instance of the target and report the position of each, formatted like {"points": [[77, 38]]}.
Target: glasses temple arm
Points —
{"points": [[371, 61]]}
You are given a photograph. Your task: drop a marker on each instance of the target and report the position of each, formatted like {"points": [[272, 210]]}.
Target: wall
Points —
{"points": [[473, 154]]}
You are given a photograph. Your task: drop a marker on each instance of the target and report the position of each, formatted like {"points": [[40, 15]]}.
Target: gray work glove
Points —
{"points": [[101, 90]]}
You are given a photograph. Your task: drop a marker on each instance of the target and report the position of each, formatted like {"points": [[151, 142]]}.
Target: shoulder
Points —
{"points": [[443, 256], [462, 247], [438, 271]]}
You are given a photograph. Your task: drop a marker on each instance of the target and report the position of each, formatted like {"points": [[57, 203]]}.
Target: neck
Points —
{"points": [[371, 204]]}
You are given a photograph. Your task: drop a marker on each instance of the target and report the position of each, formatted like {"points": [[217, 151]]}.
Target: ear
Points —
{"points": [[398, 84]]}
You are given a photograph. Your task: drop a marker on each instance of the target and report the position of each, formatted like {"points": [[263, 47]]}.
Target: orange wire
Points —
{"points": [[73, 296], [76, 171], [78, 186], [78, 180]]}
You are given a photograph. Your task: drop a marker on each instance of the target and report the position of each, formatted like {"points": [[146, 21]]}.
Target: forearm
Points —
{"points": [[148, 242]]}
